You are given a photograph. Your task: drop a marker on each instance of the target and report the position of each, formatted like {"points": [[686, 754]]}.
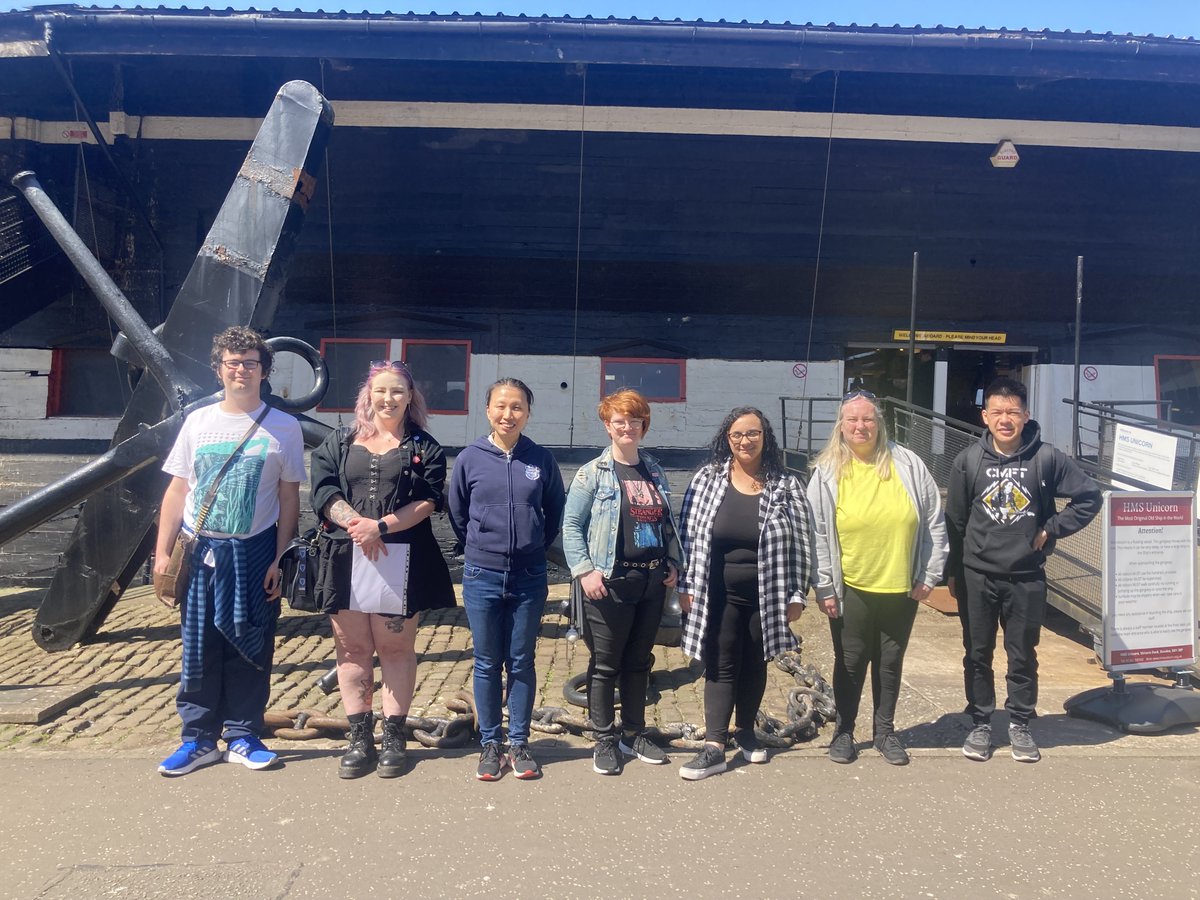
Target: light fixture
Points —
{"points": [[1005, 155]]}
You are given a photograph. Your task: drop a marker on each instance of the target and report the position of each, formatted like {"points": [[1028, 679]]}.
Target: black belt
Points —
{"points": [[635, 565]]}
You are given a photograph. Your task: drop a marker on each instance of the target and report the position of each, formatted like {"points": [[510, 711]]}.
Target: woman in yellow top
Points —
{"points": [[881, 546]]}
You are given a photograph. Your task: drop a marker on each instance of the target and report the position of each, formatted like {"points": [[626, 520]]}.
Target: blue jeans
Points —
{"points": [[504, 610]]}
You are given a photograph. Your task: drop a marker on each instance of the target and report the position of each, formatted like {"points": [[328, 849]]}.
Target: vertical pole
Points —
{"points": [[912, 332], [1075, 447]]}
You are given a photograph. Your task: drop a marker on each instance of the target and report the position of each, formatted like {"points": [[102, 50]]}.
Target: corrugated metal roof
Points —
{"points": [[833, 27]]}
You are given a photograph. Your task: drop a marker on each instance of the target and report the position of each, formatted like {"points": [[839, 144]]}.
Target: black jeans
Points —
{"points": [[1018, 604], [873, 630], [619, 631], [735, 673]]}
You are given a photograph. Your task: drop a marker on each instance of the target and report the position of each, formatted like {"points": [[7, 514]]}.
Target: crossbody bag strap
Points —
{"points": [[212, 488]]}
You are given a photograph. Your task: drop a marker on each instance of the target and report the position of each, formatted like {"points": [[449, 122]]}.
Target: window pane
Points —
{"points": [[656, 379], [1179, 382], [90, 383], [440, 371], [348, 362]]}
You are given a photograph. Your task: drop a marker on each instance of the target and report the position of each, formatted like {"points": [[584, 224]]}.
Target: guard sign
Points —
{"points": [[1148, 576]]}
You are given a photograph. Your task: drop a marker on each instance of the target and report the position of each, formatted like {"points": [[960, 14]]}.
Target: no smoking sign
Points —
{"points": [[1090, 373]]}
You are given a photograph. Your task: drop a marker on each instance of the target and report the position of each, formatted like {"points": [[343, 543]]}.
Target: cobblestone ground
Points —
{"points": [[132, 667]]}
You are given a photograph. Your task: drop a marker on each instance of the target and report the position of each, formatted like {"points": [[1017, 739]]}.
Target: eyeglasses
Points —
{"points": [[396, 364], [630, 424], [855, 394], [736, 437], [250, 365]]}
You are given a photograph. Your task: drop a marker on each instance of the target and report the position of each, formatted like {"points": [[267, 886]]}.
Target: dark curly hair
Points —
{"points": [[719, 450], [240, 339]]}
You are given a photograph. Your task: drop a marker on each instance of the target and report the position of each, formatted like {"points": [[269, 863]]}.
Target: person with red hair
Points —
{"points": [[621, 542]]}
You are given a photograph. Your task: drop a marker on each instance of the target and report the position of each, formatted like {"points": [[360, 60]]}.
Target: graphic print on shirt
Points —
{"points": [[1004, 499], [233, 508], [646, 506]]}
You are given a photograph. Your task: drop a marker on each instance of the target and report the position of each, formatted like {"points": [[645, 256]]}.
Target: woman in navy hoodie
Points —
{"points": [[506, 504]]}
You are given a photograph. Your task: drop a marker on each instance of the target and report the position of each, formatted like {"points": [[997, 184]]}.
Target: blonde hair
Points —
{"points": [[837, 453]]}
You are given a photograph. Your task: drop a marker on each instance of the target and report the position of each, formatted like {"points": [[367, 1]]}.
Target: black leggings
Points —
{"points": [[873, 630], [735, 673], [619, 631]]}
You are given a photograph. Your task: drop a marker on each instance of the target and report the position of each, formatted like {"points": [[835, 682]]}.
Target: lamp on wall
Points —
{"points": [[1005, 155]]}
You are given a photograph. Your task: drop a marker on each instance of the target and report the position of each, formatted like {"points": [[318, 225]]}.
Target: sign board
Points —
{"points": [[1145, 455], [954, 337], [1148, 579]]}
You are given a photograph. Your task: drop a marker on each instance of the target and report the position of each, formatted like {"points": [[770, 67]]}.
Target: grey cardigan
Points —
{"points": [[930, 549]]}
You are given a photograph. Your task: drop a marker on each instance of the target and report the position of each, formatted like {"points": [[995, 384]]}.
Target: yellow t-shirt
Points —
{"points": [[876, 526]]}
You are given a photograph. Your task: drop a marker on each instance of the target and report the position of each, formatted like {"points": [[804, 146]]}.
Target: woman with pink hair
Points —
{"points": [[374, 485]]}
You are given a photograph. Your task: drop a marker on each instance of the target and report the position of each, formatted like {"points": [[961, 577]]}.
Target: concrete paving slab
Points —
{"points": [[35, 703]]}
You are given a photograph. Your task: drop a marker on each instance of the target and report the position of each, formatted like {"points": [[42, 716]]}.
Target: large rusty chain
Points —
{"points": [[809, 705]]}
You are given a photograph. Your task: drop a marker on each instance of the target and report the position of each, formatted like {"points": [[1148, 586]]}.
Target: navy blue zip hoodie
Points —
{"points": [[506, 508]]}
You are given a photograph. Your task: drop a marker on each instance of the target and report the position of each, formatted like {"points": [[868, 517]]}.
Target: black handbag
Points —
{"points": [[300, 563]]}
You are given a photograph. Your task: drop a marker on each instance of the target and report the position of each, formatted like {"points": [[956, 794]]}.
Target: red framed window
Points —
{"points": [[442, 372], [86, 382], [660, 380], [348, 360]]}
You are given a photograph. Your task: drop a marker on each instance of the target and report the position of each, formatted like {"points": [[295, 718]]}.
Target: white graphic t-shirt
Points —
{"points": [[247, 500]]}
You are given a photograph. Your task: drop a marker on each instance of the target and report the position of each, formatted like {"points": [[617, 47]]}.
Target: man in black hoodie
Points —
{"points": [[1002, 523]]}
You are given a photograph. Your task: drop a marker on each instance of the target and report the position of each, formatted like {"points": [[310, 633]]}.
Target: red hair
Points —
{"points": [[628, 403]]}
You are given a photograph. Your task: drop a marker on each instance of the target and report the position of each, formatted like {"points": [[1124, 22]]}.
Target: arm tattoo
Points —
{"points": [[340, 512]]}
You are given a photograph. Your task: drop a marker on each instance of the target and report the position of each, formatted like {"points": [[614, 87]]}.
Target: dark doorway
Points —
{"points": [[884, 372], [970, 371]]}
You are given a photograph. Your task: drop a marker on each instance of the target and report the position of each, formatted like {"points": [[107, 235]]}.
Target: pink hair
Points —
{"points": [[364, 416]]}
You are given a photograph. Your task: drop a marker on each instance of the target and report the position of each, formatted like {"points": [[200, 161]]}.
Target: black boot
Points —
{"points": [[393, 759], [359, 758]]}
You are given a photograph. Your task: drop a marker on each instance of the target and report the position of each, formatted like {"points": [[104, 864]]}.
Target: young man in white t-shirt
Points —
{"points": [[229, 608]]}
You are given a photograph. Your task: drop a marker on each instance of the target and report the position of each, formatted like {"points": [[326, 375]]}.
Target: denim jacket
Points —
{"points": [[593, 516]]}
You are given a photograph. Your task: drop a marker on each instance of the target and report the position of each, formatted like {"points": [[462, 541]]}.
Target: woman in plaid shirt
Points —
{"points": [[748, 543]]}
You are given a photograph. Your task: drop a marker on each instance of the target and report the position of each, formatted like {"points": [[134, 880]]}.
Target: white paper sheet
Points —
{"points": [[380, 585]]}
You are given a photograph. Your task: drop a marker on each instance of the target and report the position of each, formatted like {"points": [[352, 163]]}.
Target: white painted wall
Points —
{"points": [[1049, 384], [713, 388]]}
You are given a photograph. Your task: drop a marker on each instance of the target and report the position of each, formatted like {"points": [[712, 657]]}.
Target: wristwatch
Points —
{"points": [[383, 526]]}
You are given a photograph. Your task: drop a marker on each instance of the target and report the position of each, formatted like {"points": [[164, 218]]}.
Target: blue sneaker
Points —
{"points": [[250, 752], [190, 756]]}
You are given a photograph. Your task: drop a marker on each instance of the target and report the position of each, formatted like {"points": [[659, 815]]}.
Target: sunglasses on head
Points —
{"points": [[855, 394], [396, 364]]}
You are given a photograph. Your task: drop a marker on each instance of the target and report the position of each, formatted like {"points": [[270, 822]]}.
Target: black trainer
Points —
{"points": [[747, 741], [523, 764], [491, 762], [1024, 747], [891, 749], [393, 756], [359, 758], [978, 745], [708, 761], [605, 758], [842, 749], [643, 748]]}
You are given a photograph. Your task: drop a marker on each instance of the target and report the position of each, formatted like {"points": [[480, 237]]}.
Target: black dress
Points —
{"points": [[376, 485]]}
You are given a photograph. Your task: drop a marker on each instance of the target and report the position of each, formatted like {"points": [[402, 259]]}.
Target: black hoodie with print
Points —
{"points": [[997, 504]]}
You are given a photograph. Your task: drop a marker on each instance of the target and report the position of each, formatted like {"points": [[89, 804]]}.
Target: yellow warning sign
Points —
{"points": [[954, 337]]}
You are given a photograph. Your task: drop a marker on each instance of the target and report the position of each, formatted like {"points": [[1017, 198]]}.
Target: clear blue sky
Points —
{"points": [[1162, 17]]}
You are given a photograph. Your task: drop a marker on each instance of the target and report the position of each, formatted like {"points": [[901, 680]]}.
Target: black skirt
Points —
{"points": [[429, 584]]}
